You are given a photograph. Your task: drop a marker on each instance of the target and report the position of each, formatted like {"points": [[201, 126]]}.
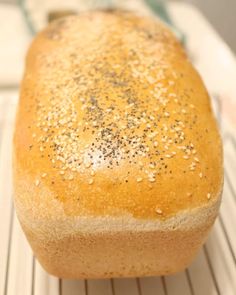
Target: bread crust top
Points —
{"points": [[113, 120]]}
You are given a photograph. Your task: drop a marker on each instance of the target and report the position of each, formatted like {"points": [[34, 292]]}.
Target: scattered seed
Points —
{"points": [[158, 211], [87, 165], [152, 179]]}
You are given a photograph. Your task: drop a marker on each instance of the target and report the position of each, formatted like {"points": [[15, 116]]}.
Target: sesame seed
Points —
{"points": [[36, 182], [196, 159], [188, 152], [186, 157], [71, 177], [155, 143], [172, 95], [62, 172], [166, 114], [152, 179], [82, 99], [151, 135], [168, 156], [189, 194], [41, 149], [33, 135], [139, 179], [44, 174], [200, 175], [92, 173], [208, 196], [151, 80], [158, 211], [90, 181], [87, 165]]}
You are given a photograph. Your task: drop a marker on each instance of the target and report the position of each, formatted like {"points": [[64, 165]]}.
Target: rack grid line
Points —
{"points": [[164, 285], [8, 252], [189, 282], [211, 269]]}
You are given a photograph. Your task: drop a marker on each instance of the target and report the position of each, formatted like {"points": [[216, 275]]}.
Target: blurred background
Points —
{"points": [[220, 13], [21, 19]]}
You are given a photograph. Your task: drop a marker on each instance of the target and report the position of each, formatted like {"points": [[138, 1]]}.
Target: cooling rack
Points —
{"points": [[213, 272]]}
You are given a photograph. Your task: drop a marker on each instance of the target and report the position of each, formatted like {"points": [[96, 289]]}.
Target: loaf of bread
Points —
{"points": [[117, 155]]}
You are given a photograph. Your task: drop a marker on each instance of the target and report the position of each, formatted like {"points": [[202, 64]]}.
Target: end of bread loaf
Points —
{"points": [[117, 156]]}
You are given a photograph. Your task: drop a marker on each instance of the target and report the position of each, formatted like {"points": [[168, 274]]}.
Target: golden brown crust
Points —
{"points": [[114, 129], [149, 129]]}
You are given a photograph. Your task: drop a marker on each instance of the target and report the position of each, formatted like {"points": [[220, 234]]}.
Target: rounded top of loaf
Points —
{"points": [[113, 119]]}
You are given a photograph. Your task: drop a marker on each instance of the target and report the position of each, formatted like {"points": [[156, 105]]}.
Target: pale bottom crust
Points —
{"points": [[118, 254]]}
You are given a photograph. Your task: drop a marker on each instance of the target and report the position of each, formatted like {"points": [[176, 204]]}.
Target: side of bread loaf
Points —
{"points": [[117, 155]]}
